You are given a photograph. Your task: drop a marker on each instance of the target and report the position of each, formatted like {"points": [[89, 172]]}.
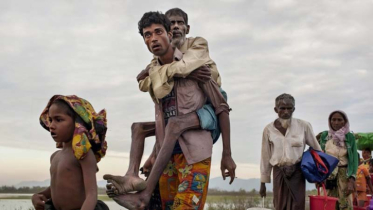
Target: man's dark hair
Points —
{"points": [[367, 150], [150, 18], [179, 12]]}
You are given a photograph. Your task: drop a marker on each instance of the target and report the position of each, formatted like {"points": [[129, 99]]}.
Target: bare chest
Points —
{"points": [[64, 164]]}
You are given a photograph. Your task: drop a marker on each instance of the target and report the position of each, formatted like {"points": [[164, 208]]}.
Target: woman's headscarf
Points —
{"points": [[89, 133], [339, 136]]}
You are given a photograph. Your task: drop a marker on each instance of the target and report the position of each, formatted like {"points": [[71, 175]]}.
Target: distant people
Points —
{"points": [[80, 133], [362, 181], [367, 156], [283, 145], [367, 161], [340, 143]]}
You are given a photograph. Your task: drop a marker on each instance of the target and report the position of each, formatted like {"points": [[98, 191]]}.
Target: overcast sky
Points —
{"points": [[318, 51]]}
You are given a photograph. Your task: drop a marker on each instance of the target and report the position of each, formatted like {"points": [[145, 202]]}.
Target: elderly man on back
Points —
{"points": [[283, 143]]}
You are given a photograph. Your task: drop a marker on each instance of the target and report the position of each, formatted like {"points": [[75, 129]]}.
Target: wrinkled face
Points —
{"points": [[62, 126], [178, 28], [366, 154], [285, 109], [337, 121], [157, 39]]}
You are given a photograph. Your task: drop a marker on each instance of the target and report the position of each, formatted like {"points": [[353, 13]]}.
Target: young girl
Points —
{"points": [[80, 132]]}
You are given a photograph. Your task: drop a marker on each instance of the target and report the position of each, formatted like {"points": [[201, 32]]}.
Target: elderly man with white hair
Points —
{"points": [[283, 144]]}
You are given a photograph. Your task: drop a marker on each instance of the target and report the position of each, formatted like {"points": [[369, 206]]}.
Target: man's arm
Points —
{"points": [[265, 166], [201, 75], [144, 80], [161, 77], [212, 91], [311, 139], [227, 163]]}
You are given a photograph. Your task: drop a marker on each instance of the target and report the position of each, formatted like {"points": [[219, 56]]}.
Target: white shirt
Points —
{"points": [[280, 150]]}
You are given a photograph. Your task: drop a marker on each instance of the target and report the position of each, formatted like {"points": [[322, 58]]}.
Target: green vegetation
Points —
{"points": [[32, 190], [253, 192], [216, 199], [236, 202], [27, 190]]}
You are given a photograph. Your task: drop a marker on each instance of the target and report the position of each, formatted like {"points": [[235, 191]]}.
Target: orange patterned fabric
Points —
{"points": [[361, 180], [184, 186]]}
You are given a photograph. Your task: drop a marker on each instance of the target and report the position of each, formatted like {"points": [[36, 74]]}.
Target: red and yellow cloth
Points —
{"points": [[361, 181], [87, 134], [184, 186]]}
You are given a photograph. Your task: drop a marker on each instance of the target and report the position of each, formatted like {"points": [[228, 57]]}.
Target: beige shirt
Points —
{"points": [[280, 150], [338, 152], [160, 81], [195, 144]]}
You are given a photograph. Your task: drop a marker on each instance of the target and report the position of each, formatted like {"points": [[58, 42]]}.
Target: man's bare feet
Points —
{"points": [[123, 184], [136, 201]]}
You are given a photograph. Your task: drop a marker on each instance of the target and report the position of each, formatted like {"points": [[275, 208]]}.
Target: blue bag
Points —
{"points": [[317, 166]]}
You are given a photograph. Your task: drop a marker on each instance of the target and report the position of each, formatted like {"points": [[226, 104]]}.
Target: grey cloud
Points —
{"points": [[320, 52]]}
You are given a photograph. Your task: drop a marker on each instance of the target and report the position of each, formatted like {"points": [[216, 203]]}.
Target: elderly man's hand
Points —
{"points": [[201, 75], [143, 74], [263, 190], [227, 163]]}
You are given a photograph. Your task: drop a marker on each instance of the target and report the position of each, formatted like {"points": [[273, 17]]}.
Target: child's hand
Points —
{"points": [[38, 200], [148, 165]]}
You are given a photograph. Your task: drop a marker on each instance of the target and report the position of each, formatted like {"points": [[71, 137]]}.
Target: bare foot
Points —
{"points": [[125, 184], [136, 201]]}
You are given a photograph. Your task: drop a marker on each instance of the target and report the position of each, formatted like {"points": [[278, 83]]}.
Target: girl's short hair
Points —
{"points": [[67, 109]]}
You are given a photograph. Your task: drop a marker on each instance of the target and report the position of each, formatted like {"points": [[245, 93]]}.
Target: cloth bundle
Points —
{"points": [[364, 141], [317, 166]]}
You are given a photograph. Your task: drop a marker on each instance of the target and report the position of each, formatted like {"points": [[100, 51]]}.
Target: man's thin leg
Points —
{"points": [[139, 132], [175, 127], [131, 181]]}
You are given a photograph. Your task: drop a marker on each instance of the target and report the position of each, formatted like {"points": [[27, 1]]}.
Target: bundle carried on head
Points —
{"points": [[364, 141], [90, 127]]}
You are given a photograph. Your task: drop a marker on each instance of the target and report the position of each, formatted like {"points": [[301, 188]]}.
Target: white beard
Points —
{"points": [[285, 123], [178, 42]]}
